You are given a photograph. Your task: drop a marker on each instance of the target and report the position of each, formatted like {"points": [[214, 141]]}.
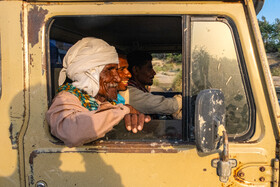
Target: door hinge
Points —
{"points": [[275, 171]]}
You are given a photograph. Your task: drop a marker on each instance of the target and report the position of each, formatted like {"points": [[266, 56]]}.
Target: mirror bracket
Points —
{"points": [[224, 168], [224, 164]]}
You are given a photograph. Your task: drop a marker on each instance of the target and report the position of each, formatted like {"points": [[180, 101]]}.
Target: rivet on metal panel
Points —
{"points": [[240, 174], [262, 179], [41, 184], [262, 169]]}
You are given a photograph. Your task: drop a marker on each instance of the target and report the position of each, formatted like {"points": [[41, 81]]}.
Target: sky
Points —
{"points": [[270, 10]]}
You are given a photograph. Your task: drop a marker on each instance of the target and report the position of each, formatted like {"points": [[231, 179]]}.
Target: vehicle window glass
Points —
{"points": [[214, 65]]}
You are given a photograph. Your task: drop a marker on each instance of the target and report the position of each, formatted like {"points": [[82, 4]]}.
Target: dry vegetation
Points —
{"points": [[274, 63]]}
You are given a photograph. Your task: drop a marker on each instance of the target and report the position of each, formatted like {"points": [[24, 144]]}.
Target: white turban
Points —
{"points": [[84, 61]]}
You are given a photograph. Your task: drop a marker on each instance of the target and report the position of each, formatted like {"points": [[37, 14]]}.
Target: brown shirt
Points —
{"points": [[75, 125]]}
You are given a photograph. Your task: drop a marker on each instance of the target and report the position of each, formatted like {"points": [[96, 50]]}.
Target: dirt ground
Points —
{"points": [[274, 62]]}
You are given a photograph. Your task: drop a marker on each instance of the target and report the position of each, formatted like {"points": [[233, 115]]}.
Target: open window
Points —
{"points": [[186, 61], [159, 35]]}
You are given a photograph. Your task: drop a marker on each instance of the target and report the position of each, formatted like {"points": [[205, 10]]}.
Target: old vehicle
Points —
{"points": [[225, 80]]}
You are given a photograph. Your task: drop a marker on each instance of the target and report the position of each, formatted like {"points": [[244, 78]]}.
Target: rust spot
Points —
{"points": [[32, 156], [11, 133], [36, 19], [21, 25], [132, 147], [236, 177], [13, 136], [228, 184], [240, 174], [31, 60]]}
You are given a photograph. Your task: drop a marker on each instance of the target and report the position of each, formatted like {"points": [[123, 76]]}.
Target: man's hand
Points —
{"points": [[135, 120]]}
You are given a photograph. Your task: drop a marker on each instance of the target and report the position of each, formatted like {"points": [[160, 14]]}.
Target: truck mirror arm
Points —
{"points": [[224, 164]]}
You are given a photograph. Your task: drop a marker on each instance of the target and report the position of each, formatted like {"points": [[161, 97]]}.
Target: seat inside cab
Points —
{"points": [[159, 35]]}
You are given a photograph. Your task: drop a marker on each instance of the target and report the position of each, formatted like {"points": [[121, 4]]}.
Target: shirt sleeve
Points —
{"points": [[75, 125], [148, 103]]}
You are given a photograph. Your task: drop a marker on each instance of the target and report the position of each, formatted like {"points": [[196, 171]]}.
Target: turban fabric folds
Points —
{"points": [[84, 61]]}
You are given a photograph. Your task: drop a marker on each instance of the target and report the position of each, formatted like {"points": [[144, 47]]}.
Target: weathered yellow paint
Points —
{"points": [[12, 99], [24, 102], [127, 169], [72, 163]]}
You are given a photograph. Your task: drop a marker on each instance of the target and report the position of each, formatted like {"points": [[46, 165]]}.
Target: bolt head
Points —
{"points": [[41, 184], [262, 169]]}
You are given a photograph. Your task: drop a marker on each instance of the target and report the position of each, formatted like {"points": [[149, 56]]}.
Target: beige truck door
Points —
{"points": [[218, 52]]}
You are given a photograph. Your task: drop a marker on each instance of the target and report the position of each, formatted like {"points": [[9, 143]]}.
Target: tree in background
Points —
{"points": [[277, 32], [270, 34]]}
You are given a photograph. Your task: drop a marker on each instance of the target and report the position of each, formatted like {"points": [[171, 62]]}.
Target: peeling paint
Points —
{"points": [[11, 133], [36, 19], [220, 102], [13, 137], [166, 148], [221, 129], [32, 156], [153, 144], [21, 24], [31, 60], [201, 121]]}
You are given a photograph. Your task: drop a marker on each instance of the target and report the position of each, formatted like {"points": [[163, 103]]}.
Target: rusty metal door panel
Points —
{"points": [[73, 167]]}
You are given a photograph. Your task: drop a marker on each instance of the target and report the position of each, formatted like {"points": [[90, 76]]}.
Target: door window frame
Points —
{"points": [[188, 134]]}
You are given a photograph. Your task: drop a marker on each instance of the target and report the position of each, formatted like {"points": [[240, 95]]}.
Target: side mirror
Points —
{"points": [[209, 118]]}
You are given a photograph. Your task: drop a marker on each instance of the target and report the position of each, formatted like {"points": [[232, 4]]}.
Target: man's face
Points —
{"points": [[145, 74], [123, 73], [109, 79]]}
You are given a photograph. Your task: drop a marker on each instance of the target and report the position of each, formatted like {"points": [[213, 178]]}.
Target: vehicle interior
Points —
{"points": [[186, 62], [159, 35]]}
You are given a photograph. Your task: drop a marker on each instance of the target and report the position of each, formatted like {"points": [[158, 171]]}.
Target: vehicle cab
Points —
{"points": [[210, 52]]}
